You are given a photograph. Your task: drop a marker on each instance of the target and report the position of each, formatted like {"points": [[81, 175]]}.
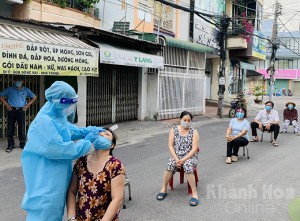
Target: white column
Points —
{"points": [[142, 93], [81, 105]]}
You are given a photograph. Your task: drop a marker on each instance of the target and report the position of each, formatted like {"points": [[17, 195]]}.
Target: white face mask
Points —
{"points": [[185, 124], [69, 110]]}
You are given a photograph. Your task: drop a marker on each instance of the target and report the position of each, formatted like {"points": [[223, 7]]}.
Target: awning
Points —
{"points": [[247, 66], [252, 73], [173, 42], [110, 54], [30, 51]]}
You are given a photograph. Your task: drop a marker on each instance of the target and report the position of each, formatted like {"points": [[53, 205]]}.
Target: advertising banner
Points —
{"points": [[27, 58], [206, 35], [259, 45]]}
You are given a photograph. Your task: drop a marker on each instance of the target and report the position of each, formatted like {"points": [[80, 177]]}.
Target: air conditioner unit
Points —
{"points": [[15, 1]]}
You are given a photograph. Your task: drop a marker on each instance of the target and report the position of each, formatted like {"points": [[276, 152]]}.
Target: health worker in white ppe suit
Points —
{"points": [[53, 142]]}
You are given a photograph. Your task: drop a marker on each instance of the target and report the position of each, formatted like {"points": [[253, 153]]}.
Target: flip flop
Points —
{"points": [[253, 140], [161, 196], [194, 202]]}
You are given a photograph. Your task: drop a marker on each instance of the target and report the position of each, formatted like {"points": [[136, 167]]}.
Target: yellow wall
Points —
{"points": [[144, 26]]}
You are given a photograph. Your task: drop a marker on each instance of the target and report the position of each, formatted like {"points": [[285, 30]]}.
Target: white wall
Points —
{"points": [[208, 87], [81, 105], [152, 92], [110, 11]]}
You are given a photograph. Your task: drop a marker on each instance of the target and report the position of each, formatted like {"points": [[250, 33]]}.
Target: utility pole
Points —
{"points": [[271, 69], [222, 37]]}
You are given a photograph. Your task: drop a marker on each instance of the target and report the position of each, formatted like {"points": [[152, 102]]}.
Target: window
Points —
{"points": [[295, 64]]}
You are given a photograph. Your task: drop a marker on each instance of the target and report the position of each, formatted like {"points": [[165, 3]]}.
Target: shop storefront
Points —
{"points": [[41, 54], [117, 95], [242, 78], [285, 79]]}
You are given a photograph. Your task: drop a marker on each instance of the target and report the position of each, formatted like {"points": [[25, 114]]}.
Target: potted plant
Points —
{"points": [[257, 93]]}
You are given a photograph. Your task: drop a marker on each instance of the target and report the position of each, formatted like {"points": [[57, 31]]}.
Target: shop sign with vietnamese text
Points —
{"points": [[128, 58], [27, 58]]}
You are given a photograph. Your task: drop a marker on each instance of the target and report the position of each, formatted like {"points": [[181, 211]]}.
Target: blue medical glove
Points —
{"points": [[102, 143], [93, 135]]}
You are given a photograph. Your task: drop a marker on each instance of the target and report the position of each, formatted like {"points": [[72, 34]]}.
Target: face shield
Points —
{"points": [[70, 110]]}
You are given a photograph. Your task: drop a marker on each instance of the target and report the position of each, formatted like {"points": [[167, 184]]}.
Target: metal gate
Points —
{"points": [[181, 85], [31, 82], [113, 96]]}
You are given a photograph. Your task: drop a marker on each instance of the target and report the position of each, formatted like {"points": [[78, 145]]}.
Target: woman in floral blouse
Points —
{"points": [[96, 189]]}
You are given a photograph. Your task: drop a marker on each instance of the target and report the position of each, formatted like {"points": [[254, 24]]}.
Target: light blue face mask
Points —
{"points": [[240, 115], [102, 143], [290, 107], [268, 108], [18, 83]]}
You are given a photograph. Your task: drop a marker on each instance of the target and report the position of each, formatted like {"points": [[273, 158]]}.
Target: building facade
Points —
{"points": [[245, 46], [180, 84], [287, 64], [113, 97]]}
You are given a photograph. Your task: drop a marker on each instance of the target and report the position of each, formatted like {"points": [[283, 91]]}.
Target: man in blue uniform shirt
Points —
{"points": [[16, 106]]}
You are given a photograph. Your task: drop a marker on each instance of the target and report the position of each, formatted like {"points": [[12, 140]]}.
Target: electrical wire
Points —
{"points": [[284, 45], [288, 31]]}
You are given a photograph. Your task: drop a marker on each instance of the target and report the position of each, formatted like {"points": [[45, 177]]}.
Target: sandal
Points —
{"points": [[161, 196], [275, 144], [194, 202], [254, 140]]}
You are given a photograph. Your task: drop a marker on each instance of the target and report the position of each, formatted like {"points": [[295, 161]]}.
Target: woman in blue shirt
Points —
{"points": [[237, 135]]}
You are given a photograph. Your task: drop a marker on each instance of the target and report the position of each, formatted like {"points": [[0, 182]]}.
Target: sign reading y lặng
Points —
{"points": [[27, 58], [113, 55]]}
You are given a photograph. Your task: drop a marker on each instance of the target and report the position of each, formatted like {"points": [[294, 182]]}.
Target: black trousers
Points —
{"points": [[16, 115], [274, 127], [234, 146]]}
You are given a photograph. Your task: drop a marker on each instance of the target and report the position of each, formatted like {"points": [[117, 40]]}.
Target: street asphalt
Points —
{"points": [[258, 188]]}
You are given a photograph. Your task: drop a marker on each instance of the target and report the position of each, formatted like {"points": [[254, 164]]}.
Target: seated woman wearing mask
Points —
{"points": [[97, 183], [183, 146], [237, 135], [290, 116]]}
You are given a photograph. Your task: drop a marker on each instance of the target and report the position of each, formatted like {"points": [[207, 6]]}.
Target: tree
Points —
{"points": [[87, 3]]}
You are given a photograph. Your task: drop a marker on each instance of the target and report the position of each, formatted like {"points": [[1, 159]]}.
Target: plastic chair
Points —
{"points": [[127, 183], [262, 135], [247, 151], [291, 124], [181, 171]]}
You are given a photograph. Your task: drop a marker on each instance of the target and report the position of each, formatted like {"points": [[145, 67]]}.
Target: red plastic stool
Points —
{"points": [[181, 171], [182, 177]]}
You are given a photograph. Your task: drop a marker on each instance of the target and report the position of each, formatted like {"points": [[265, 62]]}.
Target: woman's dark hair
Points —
{"points": [[183, 113], [244, 110], [113, 140]]}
